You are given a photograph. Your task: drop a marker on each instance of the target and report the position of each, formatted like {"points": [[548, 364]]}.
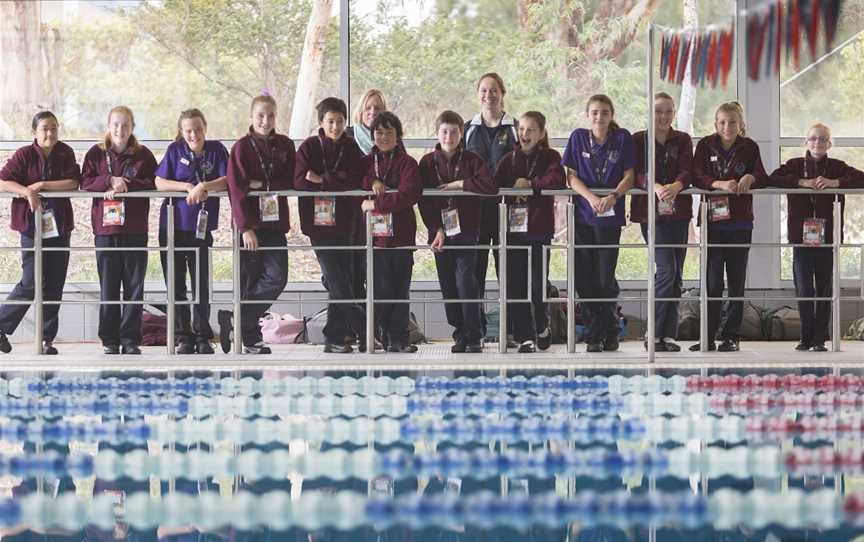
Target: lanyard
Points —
{"points": [[266, 168], [109, 162], [324, 156], [806, 176], [389, 167], [663, 162], [600, 173], [197, 167], [532, 165], [455, 174], [722, 171], [46, 168]]}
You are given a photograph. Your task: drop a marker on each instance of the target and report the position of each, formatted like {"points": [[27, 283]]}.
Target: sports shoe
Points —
{"points": [[257, 348], [728, 345], [712, 346], [204, 347], [225, 328], [332, 348], [527, 347], [670, 345], [544, 339], [48, 348]]}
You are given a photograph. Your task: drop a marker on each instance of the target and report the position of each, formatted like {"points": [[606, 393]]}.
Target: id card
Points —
{"points": [[665, 208], [518, 487], [450, 219], [814, 231], [269, 206], [49, 224], [201, 225], [118, 502], [382, 224], [610, 212], [382, 487], [453, 486], [719, 208], [325, 211], [518, 219], [113, 212]]}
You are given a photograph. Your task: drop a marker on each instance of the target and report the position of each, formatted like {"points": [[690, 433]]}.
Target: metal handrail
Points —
{"points": [[502, 247]]}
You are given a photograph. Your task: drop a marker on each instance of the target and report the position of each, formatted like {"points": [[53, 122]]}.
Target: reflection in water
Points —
{"points": [[432, 457]]}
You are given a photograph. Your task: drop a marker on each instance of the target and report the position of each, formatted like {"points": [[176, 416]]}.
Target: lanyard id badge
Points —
{"points": [[201, 225], [382, 487], [113, 212], [814, 231], [325, 211], [608, 213], [382, 224], [518, 219], [450, 219], [269, 207], [719, 208], [49, 224], [665, 208]]}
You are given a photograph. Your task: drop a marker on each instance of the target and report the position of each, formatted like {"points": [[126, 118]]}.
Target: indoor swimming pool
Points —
{"points": [[434, 456]]}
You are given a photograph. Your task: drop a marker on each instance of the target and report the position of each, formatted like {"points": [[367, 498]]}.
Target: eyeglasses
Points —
{"points": [[814, 139]]}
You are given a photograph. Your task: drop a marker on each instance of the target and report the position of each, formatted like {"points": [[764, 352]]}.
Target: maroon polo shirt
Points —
{"points": [[804, 206], [396, 169], [464, 165], [138, 166], [712, 163], [341, 165], [673, 163], [27, 166], [252, 157], [543, 168]]}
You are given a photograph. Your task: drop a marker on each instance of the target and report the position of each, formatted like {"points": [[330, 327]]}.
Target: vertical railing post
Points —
{"points": [[650, 179], [370, 285], [835, 287], [502, 277], [38, 284], [571, 277], [703, 276], [170, 283], [238, 292]]}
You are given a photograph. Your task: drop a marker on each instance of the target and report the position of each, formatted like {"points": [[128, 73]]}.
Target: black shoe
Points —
{"points": [[659, 346], [361, 346], [544, 339], [511, 343], [5, 347], [204, 347], [459, 347], [594, 347], [527, 347], [728, 345], [712, 346], [185, 347], [802, 346], [225, 328], [48, 348], [331, 348], [611, 344], [111, 349], [131, 349], [818, 348], [402, 348], [670, 345], [257, 348], [474, 348]]}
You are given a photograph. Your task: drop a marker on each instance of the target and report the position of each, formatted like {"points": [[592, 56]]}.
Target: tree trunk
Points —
{"points": [[310, 69], [21, 68], [687, 105]]}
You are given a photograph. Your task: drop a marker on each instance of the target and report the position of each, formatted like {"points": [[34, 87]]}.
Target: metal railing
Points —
{"points": [[502, 247]]}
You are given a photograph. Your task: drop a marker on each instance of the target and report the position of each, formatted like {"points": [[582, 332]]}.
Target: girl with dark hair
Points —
{"points": [[45, 165]]}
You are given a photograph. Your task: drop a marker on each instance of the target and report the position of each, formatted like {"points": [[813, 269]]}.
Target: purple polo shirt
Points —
{"points": [[599, 166], [180, 164]]}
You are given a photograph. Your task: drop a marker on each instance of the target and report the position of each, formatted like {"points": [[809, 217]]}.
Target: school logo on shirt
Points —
{"points": [[207, 166], [673, 152], [502, 138], [739, 168], [614, 156], [130, 171]]}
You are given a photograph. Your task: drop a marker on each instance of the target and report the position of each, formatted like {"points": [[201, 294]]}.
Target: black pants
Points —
{"points": [[358, 262], [813, 272], [668, 277], [343, 319], [393, 281], [734, 261], [527, 319], [595, 277], [121, 324], [456, 275], [54, 266], [190, 325], [265, 274]]}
